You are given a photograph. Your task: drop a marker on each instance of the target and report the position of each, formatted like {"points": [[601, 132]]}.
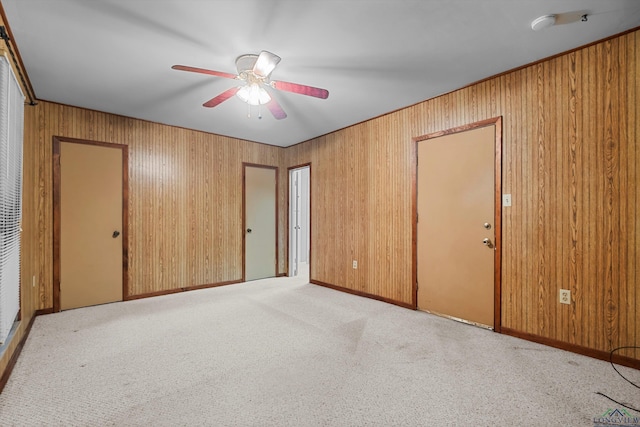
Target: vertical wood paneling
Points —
{"points": [[570, 161], [620, 88], [632, 166], [575, 326], [185, 198]]}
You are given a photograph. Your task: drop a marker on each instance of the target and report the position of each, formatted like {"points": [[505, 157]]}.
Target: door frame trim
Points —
{"points": [[289, 170], [57, 140], [244, 214], [497, 259]]}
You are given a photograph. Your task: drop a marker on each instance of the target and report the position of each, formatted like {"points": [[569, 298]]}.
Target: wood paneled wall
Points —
{"points": [[571, 160], [185, 198]]}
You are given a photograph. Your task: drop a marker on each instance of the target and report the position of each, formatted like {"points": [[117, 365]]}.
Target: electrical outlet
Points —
{"points": [[565, 296], [355, 264]]}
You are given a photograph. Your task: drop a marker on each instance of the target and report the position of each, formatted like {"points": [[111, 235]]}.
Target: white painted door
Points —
{"points": [[305, 215], [294, 221], [260, 222], [299, 220]]}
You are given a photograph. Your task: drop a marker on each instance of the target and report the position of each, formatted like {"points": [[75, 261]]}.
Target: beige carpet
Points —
{"points": [[281, 352]]}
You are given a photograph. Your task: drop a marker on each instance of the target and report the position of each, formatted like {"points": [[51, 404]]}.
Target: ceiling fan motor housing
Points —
{"points": [[246, 63]]}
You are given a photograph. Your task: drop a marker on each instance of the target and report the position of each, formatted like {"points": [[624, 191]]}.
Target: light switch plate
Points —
{"points": [[506, 200]]}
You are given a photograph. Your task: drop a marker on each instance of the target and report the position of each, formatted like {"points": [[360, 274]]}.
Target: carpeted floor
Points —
{"points": [[281, 352]]}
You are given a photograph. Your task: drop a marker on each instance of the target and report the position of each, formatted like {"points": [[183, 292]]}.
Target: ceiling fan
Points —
{"points": [[255, 72]]}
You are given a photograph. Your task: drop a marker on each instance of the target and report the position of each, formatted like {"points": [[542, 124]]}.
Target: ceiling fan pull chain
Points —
{"points": [[259, 111], [248, 111]]}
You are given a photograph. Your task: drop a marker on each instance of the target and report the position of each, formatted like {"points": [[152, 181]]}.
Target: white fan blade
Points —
{"points": [[265, 63]]}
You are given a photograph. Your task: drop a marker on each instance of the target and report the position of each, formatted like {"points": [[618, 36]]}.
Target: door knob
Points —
{"points": [[487, 226], [248, 230], [115, 234], [487, 242]]}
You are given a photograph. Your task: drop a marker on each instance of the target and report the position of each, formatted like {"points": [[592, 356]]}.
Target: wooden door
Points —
{"points": [[260, 229], [91, 249], [456, 229]]}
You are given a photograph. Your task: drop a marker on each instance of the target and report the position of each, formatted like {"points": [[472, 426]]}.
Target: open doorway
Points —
{"points": [[299, 220]]}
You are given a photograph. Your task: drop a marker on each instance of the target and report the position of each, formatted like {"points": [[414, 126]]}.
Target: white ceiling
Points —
{"points": [[373, 56]]}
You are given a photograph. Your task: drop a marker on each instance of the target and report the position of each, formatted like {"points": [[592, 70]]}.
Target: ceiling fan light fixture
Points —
{"points": [[253, 94], [254, 71], [543, 22]]}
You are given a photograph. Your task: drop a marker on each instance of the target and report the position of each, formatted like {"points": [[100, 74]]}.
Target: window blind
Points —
{"points": [[11, 139]]}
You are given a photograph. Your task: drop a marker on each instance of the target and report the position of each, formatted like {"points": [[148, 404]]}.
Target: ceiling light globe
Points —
{"points": [[543, 22], [253, 94]]}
